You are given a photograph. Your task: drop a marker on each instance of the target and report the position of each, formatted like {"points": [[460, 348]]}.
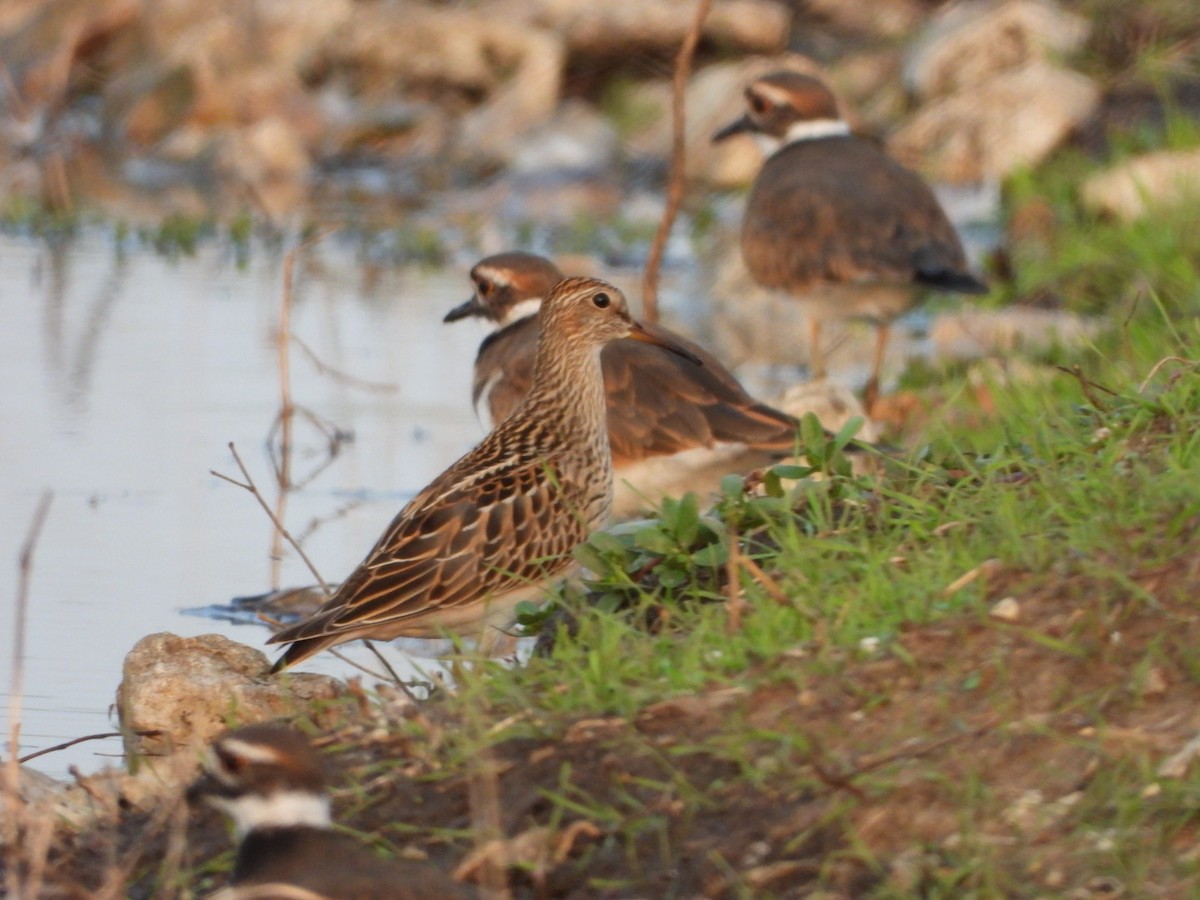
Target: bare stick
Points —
{"points": [[736, 602], [248, 485], [675, 183], [1162, 362], [325, 369], [283, 471], [153, 732], [12, 769]]}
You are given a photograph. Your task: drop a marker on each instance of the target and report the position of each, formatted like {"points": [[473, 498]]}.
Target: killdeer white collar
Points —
{"points": [[810, 130], [522, 309], [279, 809]]}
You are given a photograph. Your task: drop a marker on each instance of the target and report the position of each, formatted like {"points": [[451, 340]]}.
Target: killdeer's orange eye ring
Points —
{"points": [[602, 300], [230, 762]]}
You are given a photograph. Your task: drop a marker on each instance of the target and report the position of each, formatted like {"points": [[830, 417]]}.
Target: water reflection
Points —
{"points": [[127, 375]]}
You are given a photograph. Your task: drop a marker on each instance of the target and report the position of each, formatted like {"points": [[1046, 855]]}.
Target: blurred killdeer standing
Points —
{"points": [[271, 782], [661, 406], [834, 221], [490, 530]]}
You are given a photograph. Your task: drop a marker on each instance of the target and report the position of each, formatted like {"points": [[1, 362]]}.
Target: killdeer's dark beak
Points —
{"points": [[638, 332], [738, 126], [200, 789], [471, 307]]}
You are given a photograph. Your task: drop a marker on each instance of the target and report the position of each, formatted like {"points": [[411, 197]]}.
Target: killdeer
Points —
{"points": [[667, 417], [834, 221], [491, 529], [271, 782]]}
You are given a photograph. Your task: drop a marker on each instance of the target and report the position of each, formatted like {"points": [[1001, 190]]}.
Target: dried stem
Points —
{"points": [[249, 485], [153, 732], [338, 375], [675, 183], [14, 818], [283, 470], [736, 602], [1162, 362]]}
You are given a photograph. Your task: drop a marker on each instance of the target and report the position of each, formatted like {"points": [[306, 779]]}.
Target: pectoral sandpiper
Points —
{"points": [[491, 529], [834, 221], [271, 782]]}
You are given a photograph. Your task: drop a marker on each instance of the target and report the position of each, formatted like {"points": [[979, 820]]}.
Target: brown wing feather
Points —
{"points": [[840, 209], [658, 402], [446, 549]]}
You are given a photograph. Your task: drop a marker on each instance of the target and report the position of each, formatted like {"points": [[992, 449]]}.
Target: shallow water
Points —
{"points": [[126, 377]]}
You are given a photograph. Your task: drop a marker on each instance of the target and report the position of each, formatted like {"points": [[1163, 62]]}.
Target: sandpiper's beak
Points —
{"points": [[738, 126], [471, 307], [639, 332]]}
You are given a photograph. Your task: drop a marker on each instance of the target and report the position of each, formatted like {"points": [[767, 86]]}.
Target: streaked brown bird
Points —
{"points": [[502, 520], [835, 222], [272, 784], [659, 403]]}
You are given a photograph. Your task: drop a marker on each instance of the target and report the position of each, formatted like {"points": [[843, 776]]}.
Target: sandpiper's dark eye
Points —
{"points": [[602, 300], [757, 103], [485, 287]]}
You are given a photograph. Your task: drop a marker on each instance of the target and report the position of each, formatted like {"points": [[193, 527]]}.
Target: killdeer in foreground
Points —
{"points": [[272, 784], [694, 421], [834, 221], [487, 532]]}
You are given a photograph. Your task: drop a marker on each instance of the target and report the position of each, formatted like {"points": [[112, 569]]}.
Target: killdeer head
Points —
{"points": [[508, 287], [785, 107], [264, 776], [272, 784]]}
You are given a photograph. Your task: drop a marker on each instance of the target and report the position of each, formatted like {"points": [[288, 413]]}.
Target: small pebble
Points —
{"points": [[1006, 610]]}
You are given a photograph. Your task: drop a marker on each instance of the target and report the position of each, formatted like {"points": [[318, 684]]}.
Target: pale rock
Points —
{"points": [[192, 689], [1006, 610], [880, 18], [833, 403], [600, 29], [577, 139], [99, 799], [267, 150], [514, 64], [965, 44], [870, 84], [971, 332], [1137, 186], [1012, 120]]}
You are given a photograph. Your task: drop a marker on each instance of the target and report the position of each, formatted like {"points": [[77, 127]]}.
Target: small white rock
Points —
{"points": [[1006, 610]]}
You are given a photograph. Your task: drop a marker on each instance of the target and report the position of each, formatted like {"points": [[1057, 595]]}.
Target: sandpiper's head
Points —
{"points": [[783, 107], [508, 286], [588, 312], [264, 776]]}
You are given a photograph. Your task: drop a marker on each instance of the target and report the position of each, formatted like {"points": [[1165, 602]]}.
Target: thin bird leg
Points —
{"points": [[816, 359], [871, 391]]}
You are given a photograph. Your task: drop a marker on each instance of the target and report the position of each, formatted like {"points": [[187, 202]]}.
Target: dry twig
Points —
{"points": [[15, 827], [675, 183], [249, 485]]}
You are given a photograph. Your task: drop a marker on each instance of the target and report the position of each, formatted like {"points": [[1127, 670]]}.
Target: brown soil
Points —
{"points": [[980, 757]]}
